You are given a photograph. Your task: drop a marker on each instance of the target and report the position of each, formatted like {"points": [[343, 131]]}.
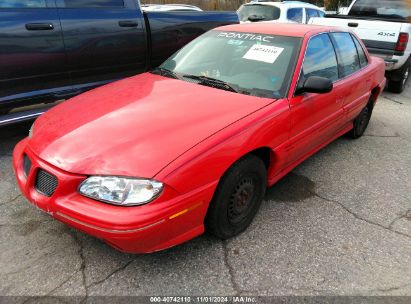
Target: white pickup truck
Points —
{"points": [[384, 27]]}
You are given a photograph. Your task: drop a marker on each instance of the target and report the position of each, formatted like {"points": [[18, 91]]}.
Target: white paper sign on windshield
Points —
{"points": [[265, 53]]}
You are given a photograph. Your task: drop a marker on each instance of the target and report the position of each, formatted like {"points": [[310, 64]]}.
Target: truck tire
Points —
{"points": [[398, 86], [237, 198]]}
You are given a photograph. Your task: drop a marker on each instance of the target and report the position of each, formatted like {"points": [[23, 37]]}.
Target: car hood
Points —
{"points": [[136, 126]]}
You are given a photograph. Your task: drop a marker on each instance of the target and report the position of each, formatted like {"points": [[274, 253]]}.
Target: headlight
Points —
{"points": [[121, 190]]}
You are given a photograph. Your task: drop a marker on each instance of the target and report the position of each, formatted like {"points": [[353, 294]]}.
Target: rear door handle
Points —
{"points": [[353, 24], [39, 26], [128, 23]]}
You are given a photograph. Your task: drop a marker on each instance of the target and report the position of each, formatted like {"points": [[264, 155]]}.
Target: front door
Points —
{"points": [[315, 118]]}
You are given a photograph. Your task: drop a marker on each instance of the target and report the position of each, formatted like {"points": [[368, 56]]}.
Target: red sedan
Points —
{"points": [[152, 161]]}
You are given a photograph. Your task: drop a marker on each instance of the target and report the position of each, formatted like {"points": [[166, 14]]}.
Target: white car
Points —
{"points": [[169, 8], [285, 12], [384, 27]]}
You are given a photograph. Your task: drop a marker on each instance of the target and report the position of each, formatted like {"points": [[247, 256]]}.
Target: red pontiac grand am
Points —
{"points": [[152, 161]]}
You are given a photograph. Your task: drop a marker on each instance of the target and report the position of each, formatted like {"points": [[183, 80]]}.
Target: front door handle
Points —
{"points": [[39, 26], [128, 23]]}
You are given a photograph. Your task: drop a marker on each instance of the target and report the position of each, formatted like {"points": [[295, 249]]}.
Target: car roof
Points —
{"points": [[280, 29], [289, 4]]}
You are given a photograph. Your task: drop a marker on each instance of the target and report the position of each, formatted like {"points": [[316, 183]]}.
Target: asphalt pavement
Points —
{"points": [[339, 224]]}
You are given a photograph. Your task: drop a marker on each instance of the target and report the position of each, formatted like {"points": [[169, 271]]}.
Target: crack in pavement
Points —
{"points": [[83, 267], [10, 201], [392, 99], [382, 136], [406, 214], [25, 223], [356, 215], [230, 269], [80, 252], [110, 274], [388, 289], [62, 283]]}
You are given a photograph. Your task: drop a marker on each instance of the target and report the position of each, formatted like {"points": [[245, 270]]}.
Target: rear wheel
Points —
{"points": [[398, 86], [361, 123], [237, 198]]}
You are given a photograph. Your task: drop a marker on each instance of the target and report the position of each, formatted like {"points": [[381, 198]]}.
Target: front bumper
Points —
{"points": [[169, 220]]}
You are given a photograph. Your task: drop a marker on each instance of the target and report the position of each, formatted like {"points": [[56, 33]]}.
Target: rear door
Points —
{"points": [[355, 73], [104, 39], [32, 59]]}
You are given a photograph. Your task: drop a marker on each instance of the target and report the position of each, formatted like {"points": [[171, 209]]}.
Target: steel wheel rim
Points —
{"points": [[241, 200]]}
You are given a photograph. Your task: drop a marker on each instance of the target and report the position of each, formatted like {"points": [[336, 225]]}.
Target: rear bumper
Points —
{"points": [[392, 63], [166, 222]]}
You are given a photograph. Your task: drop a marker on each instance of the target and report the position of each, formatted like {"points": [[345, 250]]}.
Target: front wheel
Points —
{"points": [[237, 198]]}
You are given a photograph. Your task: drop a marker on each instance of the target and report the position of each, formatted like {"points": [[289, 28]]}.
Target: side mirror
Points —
{"points": [[316, 84]]}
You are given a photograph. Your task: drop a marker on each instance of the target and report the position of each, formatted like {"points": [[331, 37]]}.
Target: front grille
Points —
{"points": [[26, 165], [46, 183]]}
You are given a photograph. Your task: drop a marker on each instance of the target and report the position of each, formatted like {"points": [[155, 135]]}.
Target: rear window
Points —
{"points": [[258, 12], [383, 9]]}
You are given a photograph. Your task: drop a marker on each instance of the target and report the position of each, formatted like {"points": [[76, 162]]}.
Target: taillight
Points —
{"points": [[402, 43]]}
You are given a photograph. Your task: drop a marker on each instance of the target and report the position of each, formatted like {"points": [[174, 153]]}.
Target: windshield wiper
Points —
{"points": [[165, 72], [213, 82]]}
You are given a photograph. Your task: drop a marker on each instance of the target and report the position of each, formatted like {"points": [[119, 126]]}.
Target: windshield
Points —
{"points": [[248, 63], [384, 9], [258, 12]]}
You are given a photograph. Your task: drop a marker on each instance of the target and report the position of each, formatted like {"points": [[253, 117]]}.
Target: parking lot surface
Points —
{"points": [[339, 224]]}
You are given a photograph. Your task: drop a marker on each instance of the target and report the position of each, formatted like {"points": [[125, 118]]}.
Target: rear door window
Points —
{"points": [[361, 53], [311, 13], [347, 54], [295, 14], [320, 59], [23, 4], [93, 3]]}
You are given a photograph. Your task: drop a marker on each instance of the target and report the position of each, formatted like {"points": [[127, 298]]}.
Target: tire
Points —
{"points": [[237, 198], [399, 86], [361, 122]]}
